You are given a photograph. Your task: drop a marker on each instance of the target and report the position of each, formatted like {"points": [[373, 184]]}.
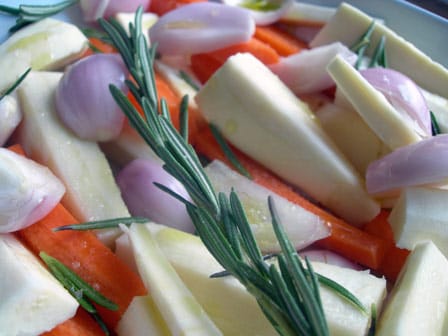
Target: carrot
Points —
{"points": [[395, 257], [97, 45], [214, 59], [161, 7], [79, 325], [344, 239], [88, 257], [285, 44]]}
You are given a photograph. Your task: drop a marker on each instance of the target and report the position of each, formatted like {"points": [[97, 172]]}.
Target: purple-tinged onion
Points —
{"points": [[268, 12], [95, 9], [422, 163], [143, 198], [306, 72], [403, 94], [10, 117], [328, 257], [84, 102], [28, 191], [201, 27]]}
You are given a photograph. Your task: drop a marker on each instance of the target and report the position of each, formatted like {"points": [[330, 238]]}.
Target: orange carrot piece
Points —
{"points": [[285, 44], [395, 257], [161, 7], [97, 45], [344, 239], [79, 325], [264, 52], [205, 64], [82, 252]]}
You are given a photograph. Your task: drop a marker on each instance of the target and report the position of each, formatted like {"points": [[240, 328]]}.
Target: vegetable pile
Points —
{"points": [[191, 167]]}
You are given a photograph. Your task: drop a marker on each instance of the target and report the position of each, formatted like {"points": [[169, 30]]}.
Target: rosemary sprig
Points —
{"points": [[27, 14], [288, 294], [79, 289], [15, 84], [379, 55]]}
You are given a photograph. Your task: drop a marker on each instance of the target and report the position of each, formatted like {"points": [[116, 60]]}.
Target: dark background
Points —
{"points": [[437, 6]]}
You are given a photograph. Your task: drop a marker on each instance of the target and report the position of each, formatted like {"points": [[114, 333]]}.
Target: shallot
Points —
{"points": [[28, 191], [95, 9]]}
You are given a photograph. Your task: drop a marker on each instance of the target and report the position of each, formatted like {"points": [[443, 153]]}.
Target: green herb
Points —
{"points": [[261, 5], [288, 294], [362, 43], [78, 288], [228, 151], [102, 224], [434, 124], [96, 33], [187, 78], [379, 55], [372, 329], [16, 84], [27, 14]]}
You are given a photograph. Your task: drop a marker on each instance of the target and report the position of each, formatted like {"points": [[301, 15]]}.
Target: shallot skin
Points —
{"points": [[143, 198], [84, 102]]}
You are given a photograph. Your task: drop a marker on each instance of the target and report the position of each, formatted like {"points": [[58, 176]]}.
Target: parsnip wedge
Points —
{"points": [[372, 105], [258, 114], [401, 55], [32, 301], [45, 45], [420, 214], [418, 303], [92, 193], [181, 312]]}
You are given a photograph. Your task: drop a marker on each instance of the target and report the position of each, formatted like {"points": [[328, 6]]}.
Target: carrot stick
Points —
{"points": [[395, 257], [161, 7], [205, 64], [285, 44], [82, 252], [79, 325], [97, 45], [344, 239]]}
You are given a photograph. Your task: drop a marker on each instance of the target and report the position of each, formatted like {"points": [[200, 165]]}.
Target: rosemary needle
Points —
{"points": [[15, 84]]}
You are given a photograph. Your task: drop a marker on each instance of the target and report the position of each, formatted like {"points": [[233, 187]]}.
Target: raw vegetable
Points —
{"points": [[306, 71], [181, 312], [47, 44], [161, 7], [29, 191], [344, 239], [204, 65], [31, 300], [235, 100], [10, 116], [84, 103], [263, 12], [418, 164], [400, 54], [285, 44], [420, 215], [234, 309], [137, 182], [403, 94], [373, 107], [95, 9], [302, 226], [91, 191], [418, 303], [82, 324], [201, 27], [88, 257]]}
